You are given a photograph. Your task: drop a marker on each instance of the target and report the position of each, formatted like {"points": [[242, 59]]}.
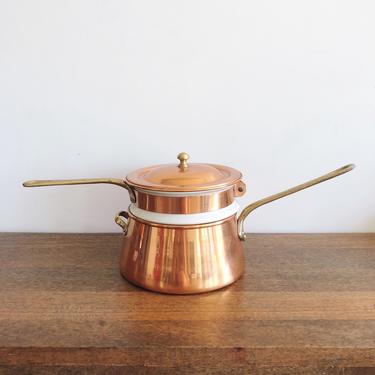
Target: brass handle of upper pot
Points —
{"points": [[119, 219], [251, 207], [82, 181]]}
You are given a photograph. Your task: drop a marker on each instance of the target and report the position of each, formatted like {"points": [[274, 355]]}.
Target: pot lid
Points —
{"points": [[184, 176]]}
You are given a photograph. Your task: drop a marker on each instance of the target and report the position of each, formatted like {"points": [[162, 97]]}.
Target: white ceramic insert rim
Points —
{"points": [[179, 193], [184, 219]]}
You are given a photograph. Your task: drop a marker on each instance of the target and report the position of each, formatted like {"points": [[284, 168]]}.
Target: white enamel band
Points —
{"points": [[184, 219]]}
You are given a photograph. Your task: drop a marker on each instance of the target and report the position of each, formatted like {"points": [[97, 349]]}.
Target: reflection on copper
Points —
{"points": [[185, 205], [182, 260]]}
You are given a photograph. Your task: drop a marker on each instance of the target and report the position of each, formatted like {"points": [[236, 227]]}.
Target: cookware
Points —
{"points": [[181, 231]]}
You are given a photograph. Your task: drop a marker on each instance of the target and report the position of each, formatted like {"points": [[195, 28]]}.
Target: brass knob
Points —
{"points": [[183, 158]]}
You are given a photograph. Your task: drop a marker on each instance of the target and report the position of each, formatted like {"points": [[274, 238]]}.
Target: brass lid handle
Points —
{"points": [[183, 158]]}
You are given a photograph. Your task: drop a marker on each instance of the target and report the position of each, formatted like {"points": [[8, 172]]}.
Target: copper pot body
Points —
{"points": [[182, 259]]}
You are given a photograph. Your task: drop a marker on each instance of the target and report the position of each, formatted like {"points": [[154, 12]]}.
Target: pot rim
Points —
{"points": [[189, 189], [184, 226], [163, 193], [184, 219]]}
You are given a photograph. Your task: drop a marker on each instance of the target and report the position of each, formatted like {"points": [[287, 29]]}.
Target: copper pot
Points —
{"points": [[181, 231]]}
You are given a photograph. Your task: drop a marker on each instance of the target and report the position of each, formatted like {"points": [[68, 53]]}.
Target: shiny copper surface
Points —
{"points": [[185, 205], [183, 177], [182, 259]]}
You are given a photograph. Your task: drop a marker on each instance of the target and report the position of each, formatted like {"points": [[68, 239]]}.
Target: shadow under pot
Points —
{"points": [[182, 234]]}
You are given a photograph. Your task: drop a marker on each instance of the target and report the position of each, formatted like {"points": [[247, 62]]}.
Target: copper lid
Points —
{"points": [[184, 176]]}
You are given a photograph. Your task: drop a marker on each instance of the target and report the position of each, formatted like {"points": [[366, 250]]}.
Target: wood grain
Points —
{"points": [[306, 305]]}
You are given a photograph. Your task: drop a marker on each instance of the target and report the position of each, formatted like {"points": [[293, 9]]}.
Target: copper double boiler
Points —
{"points": [[181, 231]]}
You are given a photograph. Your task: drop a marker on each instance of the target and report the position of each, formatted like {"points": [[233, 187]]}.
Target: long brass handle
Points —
{"points": [[251, 207], [82, 181]]}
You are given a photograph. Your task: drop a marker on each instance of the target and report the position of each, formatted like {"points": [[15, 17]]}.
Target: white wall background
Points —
{"points": [[282, 90]]}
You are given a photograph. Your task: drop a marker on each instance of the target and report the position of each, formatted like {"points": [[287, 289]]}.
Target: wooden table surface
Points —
{"points": [[306, 305]]}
